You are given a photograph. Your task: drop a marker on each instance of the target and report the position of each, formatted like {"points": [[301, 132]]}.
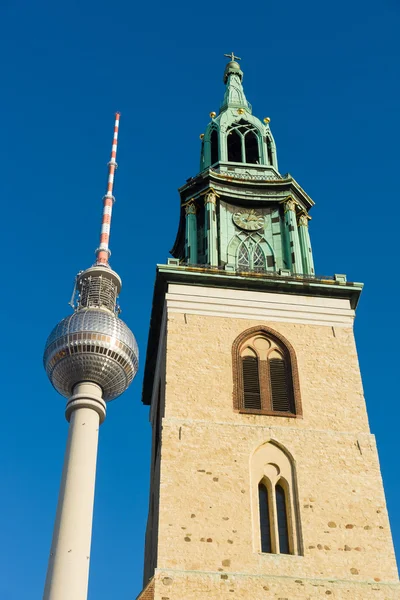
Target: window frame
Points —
{"points": [[268, 527], [273, 524], [214, 147], [242, 128], [251, 246], [265, 382], [271, 464]]}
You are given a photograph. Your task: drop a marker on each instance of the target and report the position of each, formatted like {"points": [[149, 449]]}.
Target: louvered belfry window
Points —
{"points": [[280, 389], [265, 383], [251, 383]]}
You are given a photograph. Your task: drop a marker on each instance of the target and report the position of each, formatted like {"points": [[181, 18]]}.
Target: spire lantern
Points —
{"points": [[236, 135]]}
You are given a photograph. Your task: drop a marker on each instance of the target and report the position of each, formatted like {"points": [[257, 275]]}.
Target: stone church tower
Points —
{"points": [[265, 479]]}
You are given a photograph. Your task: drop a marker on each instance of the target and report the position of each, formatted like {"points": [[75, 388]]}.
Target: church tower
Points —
{"points": [[265, 479]]}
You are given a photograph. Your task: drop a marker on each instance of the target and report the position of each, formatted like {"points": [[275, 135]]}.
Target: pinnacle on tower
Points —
{"points": [[234, 94]]}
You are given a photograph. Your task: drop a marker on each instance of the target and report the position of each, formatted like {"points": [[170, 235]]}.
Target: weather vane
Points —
{"points": [[232, 56]]}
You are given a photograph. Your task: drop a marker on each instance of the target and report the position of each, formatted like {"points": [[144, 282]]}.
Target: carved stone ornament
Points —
{"points": [[210, 197], [303, 220], [191, 208], [290, 204]]}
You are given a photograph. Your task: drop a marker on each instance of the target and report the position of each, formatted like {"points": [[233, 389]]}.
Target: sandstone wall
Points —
{"points": [[206, 536]]}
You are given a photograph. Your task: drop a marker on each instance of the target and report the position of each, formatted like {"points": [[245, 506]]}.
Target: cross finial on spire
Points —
{"points": [[232, 56]]}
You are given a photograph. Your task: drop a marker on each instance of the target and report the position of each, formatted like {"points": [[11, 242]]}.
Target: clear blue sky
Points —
{"points": [[327, 73]]}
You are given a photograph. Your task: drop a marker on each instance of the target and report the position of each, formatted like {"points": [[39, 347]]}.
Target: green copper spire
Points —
{"points": [[236, 135], [239, 214], [234, 94]]}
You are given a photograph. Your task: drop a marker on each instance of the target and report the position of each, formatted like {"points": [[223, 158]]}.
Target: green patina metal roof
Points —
{"points": [[234, 94]]}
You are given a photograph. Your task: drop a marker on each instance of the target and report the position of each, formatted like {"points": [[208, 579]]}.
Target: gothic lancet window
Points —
{"points": [[265, 523], [214, 147], [250, 255], [274, 498], [243, 143], [251, 144], [234, 146], [274, 533], [265, 374], [282, 522]]}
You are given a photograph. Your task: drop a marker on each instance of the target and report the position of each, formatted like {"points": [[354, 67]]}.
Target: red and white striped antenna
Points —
{"points": [[103, 251]]}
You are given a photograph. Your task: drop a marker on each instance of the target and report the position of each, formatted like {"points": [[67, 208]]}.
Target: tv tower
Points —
{"points": [[91, 357]]}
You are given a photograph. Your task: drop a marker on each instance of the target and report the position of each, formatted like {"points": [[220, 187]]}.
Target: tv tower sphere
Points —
{"points": [[93, 344]]}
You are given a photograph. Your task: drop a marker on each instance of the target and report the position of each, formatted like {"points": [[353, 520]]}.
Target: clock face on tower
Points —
{"points": [[249, 220]]}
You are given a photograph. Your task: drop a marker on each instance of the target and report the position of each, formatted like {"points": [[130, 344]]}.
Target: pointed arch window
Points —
{"points": [[234, 146], [274, 498], [243, 143], [251, 257], [265, 522], [265, 374], [274, 507], [282, 521], [251, 144], [214, 147]]}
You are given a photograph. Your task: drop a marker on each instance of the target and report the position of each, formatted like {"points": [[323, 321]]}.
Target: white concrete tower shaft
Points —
{"points": [[68, 570]]}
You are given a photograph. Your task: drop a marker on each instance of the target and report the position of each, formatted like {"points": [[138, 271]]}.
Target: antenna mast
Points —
{"points": [[103, 252]]}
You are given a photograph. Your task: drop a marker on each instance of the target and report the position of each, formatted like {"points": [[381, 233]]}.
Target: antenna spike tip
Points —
{"points": [[103, 252]]}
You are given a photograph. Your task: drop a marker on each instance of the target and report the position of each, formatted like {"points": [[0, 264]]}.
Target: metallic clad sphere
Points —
{"points": [[233, 66], [91, 345]]}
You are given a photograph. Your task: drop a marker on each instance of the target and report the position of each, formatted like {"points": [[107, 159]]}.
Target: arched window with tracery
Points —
{"points": [[243, 143], [265, 374], [276, 522], [254, 254]]}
